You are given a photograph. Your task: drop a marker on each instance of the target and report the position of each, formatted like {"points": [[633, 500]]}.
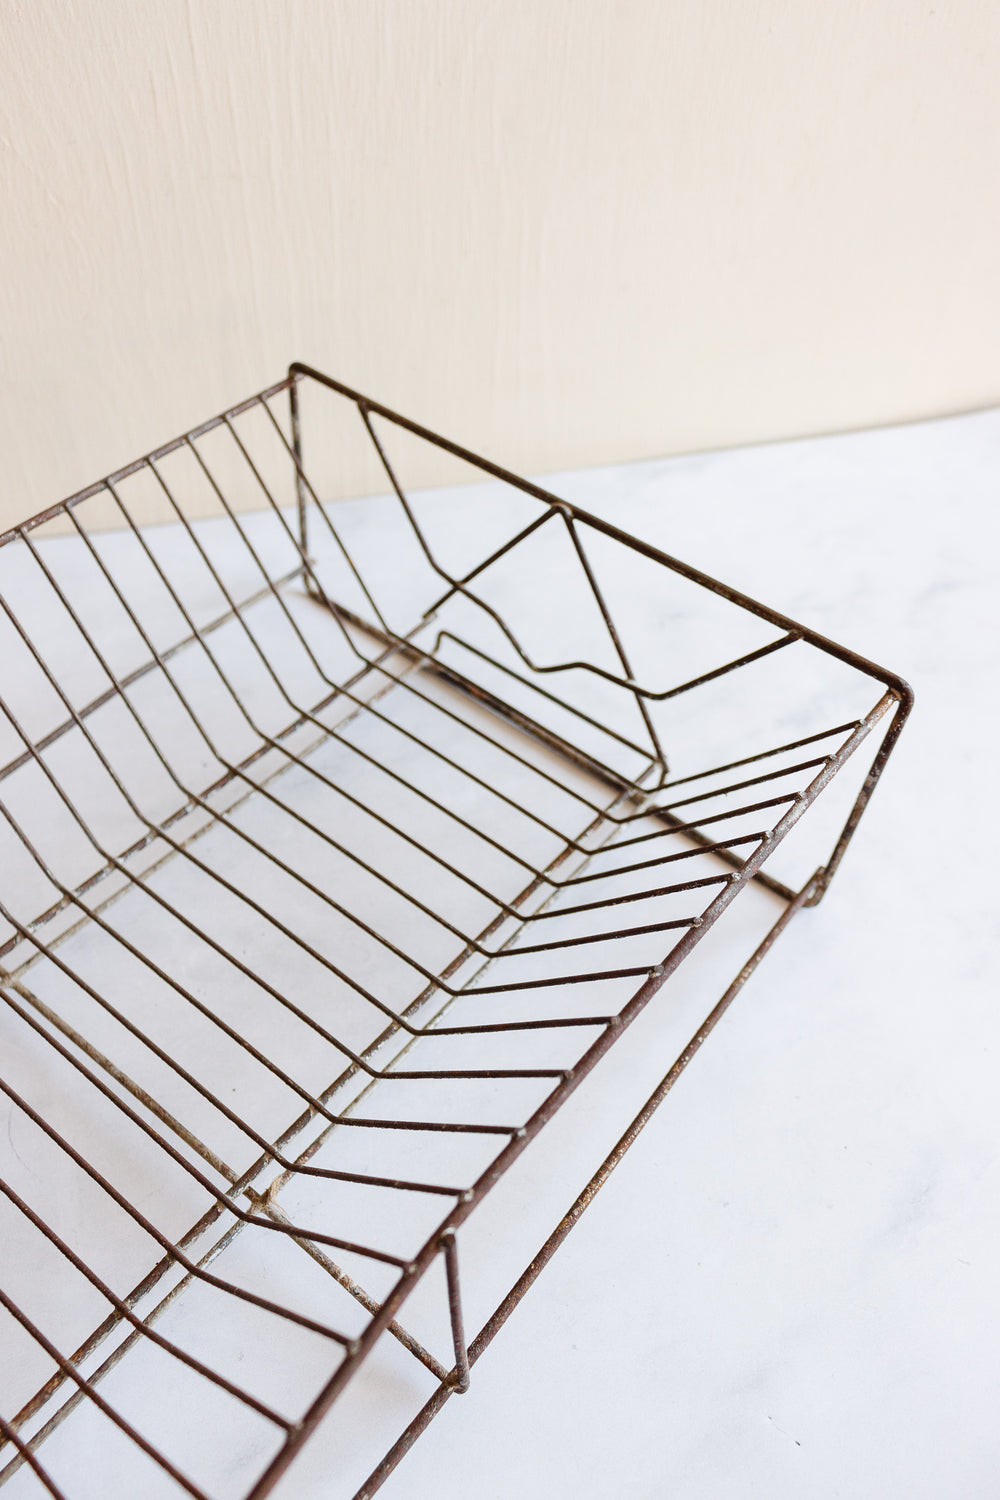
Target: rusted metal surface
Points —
{"points": [[507, 807]]}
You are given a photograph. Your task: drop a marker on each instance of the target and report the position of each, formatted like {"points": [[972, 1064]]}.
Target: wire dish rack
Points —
{"points": [[340, 845]]}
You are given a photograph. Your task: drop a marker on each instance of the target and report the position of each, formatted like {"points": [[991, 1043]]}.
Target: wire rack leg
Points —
{"points": [[822, 878], [459, 1381]]}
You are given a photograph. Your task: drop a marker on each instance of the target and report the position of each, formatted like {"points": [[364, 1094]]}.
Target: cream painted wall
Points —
{"points": [[560, 230]]}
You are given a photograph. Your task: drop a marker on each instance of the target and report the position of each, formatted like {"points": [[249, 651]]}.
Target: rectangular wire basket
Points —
{"points": [[340, 845]]}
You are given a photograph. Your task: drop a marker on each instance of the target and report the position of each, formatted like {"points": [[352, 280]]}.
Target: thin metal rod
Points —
{"points": [[300, 490], [460, 1383], [864, 796], [136, 675], [184, 811], [638, 696], [76, 1397], [487, 562], [104, 1407], [585, 1198], [383, 627], [223, 1199], [11, 1435], [428, 661], [124, 1311], [267, 1204], [651, 695], [54, 511], [636, 544], [732, 765]]}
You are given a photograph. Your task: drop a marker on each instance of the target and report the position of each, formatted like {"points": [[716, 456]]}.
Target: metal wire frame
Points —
{"points": [[389, 666]]}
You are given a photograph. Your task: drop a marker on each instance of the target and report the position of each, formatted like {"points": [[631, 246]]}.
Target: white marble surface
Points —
{"points": [[788, 1290]]}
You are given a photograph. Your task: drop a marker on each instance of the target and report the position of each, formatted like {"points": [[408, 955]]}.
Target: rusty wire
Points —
{"points": [[509, 876]]}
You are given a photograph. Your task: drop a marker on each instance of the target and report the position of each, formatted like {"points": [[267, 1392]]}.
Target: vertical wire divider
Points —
{"points": [[333, 868]]}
